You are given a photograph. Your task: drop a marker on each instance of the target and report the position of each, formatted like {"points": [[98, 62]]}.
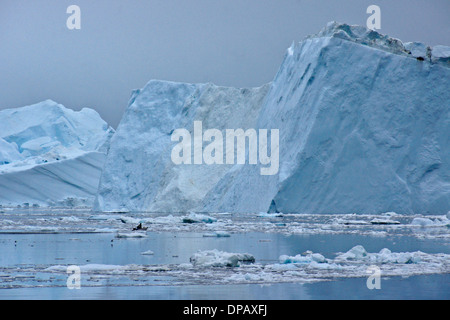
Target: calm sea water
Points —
{"points": [[29, 250]]}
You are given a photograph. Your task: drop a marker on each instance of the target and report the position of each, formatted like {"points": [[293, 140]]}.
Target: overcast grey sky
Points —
{"points": [[123, 44]]}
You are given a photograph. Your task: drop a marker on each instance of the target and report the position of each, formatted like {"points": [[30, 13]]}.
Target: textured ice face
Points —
{"points": [[358, 34], [363, 128], [139, 173], [8, 152], [51, 155], [48, 131]]}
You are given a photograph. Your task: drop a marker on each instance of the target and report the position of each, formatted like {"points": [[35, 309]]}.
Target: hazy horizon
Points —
{"points": [[121, 46]]}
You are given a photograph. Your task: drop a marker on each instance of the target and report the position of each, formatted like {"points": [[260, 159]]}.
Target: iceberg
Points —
{"points": [[363, 127], [139, 174], [51, 155]]}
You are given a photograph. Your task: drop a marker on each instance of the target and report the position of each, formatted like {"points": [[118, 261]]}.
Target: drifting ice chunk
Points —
{"points": [[425, 222], [215, 258], [131, 235], [307, 258], [358, 253], [198, 218]]}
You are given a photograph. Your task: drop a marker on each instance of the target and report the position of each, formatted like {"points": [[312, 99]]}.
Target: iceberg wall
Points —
{"points": [[70, 182], [139, 174], [364, 128], [51, 155]]}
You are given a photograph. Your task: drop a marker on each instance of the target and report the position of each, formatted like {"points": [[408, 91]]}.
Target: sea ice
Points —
{"points": [[216, 258]]}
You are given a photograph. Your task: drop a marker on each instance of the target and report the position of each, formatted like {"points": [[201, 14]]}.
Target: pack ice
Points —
{"points": [[51, 155], [364, 126]]}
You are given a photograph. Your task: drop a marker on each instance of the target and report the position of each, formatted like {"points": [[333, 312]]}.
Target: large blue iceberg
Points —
{"points": [[364, 126]]}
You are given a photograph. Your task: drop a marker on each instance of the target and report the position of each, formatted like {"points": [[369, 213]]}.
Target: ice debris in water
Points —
{"points": [[356, 253], [426, 222], [216, 258], [359, 253], [131, 235], [198, 218], [269, 215], [308, 257]]}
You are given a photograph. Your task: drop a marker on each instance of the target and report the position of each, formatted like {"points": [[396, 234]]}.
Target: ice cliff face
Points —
{"points": [[50, 154], [139, 174], [364, 126]]}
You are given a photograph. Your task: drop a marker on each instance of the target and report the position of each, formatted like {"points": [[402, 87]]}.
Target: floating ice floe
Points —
{"points": [[359, 253], [131, 235], [198, 218], [426, 222], [216, 258], [148, 253], [308, 257]]}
